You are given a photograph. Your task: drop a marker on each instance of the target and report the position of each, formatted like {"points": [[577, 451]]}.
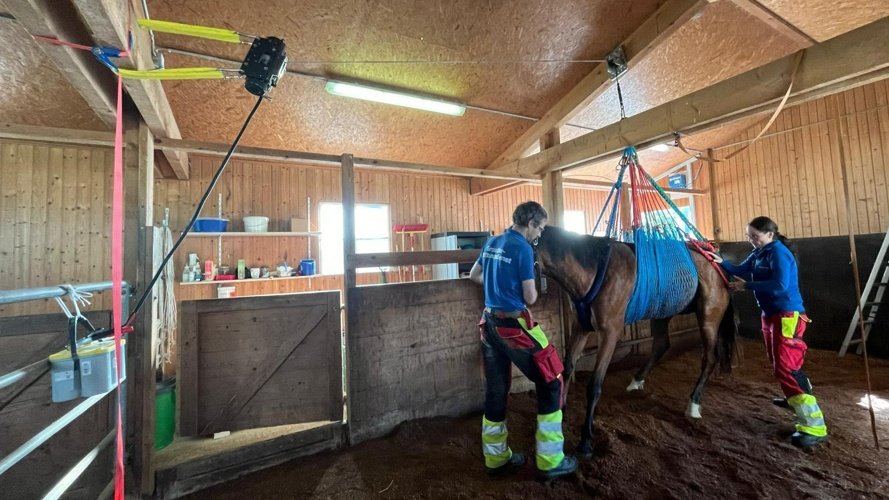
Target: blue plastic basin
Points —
{"points": [[210, 225]]}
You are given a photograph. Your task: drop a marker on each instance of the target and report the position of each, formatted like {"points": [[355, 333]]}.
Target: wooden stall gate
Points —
{"points": [[259, 362]]}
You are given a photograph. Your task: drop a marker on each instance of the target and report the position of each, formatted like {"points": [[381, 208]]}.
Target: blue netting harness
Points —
{"points": [[666, 277]]}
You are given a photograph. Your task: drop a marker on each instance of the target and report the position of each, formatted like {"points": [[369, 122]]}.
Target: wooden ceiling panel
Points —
{"points": [[723, 42], [824, 20], [302, 116], [349, 30], [34, 92]]}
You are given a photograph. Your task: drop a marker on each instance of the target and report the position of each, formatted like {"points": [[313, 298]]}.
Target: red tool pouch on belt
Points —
{"points": [[549, 364]]}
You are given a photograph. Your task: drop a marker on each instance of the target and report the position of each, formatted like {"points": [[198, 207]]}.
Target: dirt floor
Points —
{"points": [[645, 447]]}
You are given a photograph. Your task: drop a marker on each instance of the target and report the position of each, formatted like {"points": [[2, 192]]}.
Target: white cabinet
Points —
{"points": [[456, 240]]}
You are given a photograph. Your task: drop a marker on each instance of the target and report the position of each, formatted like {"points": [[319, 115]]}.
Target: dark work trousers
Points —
{"points": [[505, 342]]}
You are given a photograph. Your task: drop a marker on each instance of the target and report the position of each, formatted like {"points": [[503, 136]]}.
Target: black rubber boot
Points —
{"points": [[803, 440], [781, 403], [568, 466], [515, 461]]}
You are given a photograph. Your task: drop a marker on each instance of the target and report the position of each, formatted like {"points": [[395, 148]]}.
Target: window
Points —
{"points": [[575, 221], [371, 234]]}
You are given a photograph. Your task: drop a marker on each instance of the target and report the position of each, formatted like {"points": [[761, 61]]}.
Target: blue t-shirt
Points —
{"points": [[507, 260], [772, 274]]}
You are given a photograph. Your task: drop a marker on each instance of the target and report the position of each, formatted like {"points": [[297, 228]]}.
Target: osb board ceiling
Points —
{"points": [[34, 92], [724, 41], [303, 116], [657, 162], [824, 20]]}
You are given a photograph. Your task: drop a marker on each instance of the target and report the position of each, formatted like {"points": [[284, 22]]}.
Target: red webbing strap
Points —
{"points": [[56, 41], [705, 247], [117, 278]]}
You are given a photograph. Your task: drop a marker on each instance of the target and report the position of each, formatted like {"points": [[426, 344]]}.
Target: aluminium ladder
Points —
{"points": [[871, 298]]}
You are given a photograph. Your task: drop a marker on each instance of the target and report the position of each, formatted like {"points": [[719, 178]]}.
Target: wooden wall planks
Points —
{"points": [[54, 220], [55, 201], [793, 175]]}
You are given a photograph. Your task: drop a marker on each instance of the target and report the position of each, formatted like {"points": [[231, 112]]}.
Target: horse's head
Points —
{"points": [[569, 258]]}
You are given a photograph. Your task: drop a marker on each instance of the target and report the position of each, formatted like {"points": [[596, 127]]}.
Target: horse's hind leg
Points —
{"points": [[608, 336], [659, 346], [707, 323]]}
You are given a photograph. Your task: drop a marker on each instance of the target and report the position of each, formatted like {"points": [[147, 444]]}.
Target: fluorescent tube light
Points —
{"points": [[662, 148], [394, 98]]}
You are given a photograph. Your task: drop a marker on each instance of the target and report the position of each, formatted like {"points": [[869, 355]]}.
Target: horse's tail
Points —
{"points": [[727, 336]]}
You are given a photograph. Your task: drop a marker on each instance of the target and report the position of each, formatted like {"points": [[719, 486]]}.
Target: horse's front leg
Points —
{"points": [[607, 341], [575, 349]]}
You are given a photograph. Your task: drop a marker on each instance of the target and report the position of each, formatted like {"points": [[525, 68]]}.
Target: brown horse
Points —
{"points": [[573, 261]]}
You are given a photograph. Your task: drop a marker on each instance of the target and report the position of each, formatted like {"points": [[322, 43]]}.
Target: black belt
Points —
{"points": [[504, 314]]}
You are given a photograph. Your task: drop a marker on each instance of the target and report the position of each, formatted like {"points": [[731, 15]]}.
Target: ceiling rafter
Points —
{"points": [[672, 15], [856, 58], [58, 20], [107, 21]]}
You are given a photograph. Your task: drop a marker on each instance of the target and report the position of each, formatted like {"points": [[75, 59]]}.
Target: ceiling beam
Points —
{"points": [[306, 158], [107, 20], [59, 20], [776, 22], [52, 135], [672, 15], [853, 59]]}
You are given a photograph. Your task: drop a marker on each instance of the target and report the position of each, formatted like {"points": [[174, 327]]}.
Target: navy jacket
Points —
{"points": [[772, 274]]}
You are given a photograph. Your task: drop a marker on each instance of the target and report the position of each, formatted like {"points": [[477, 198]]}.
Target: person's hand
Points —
{"points": [[716, 257], [737, 285]]}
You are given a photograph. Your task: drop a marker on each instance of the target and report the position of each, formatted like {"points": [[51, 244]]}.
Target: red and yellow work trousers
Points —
{"points": [[782, 334]]}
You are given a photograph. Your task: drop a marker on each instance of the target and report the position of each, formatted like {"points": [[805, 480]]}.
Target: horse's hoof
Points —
{"points": [[693, 411], [584, 452], [636, 385]]}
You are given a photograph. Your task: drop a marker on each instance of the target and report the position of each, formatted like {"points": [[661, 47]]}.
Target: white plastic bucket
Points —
{"points": [[225, 292], [256, 224]]}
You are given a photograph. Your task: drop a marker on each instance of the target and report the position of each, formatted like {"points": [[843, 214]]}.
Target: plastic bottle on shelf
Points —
{"points": [[187, 275]]}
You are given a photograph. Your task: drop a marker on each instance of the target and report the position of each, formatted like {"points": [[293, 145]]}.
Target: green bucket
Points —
{"points": [[165, 413]]}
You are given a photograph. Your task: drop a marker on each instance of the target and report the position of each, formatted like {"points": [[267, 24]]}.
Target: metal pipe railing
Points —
{"points": [[50, 431], [13, 377], [49, 292], [68, 479]]}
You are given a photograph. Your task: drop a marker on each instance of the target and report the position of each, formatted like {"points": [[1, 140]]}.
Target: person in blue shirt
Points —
{"points": [[505, 268], [771, 273]]}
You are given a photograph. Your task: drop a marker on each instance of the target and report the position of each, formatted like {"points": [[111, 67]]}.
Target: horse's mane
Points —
{"points": [[560, 243]]}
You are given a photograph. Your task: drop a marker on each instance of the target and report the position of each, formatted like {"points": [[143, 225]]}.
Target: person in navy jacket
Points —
{"points": [[770, 272]]}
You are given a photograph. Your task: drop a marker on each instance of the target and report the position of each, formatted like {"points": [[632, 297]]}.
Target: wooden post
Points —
{"points": [[626, 222], [347, 172], [714, 211], [138, 270], [553, 187], [348, 186]]}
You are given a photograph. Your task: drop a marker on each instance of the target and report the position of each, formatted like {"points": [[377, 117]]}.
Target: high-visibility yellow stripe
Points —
{"points": [[788, 325], [536, 333], [809, 418], [494, 447], [173, 74], [223, 35], [550, 440]]}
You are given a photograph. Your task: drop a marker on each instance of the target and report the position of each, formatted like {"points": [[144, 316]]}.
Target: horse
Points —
{"points": [[574, 262]]}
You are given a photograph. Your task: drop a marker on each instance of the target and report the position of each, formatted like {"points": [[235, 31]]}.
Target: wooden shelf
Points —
{"points": [[242, 235], [250, 280]]}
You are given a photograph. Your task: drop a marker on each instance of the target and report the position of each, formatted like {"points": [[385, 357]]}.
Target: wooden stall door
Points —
{"points": [[259, 362]]}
